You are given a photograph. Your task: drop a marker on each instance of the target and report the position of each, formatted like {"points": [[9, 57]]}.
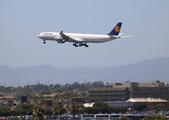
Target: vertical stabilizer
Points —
{"points": [[116, 29]]}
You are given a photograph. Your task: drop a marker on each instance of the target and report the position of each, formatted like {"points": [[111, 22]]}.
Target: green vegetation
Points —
{"points": [[76, 108], [100, 104], [101, 107], [50, 88], [159, 107], [58, 110], [24, 109], [155, 117], [139, 106], [39, 111], [6, 110]]}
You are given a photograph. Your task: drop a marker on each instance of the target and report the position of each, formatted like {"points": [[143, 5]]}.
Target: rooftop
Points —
{"points": [[146, 100]]}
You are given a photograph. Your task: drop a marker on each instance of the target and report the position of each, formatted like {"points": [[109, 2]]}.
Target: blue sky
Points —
{"points": [[21, 22]]}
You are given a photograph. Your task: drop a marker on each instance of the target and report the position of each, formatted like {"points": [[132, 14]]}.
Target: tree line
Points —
{"points": [[50, 88]]}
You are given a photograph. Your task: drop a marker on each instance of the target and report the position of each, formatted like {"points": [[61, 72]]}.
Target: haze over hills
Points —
{"points": [[144, 71]]}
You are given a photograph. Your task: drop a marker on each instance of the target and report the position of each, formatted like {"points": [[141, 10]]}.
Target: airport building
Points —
{"points": [[127, 90]]}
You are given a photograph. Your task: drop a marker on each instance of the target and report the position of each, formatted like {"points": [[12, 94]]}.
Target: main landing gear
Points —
{"points": [[75, 45], [86, 45], [80, 45]]}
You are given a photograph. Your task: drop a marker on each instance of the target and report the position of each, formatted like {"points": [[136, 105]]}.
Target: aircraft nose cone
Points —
{"points": [[39, 36]]}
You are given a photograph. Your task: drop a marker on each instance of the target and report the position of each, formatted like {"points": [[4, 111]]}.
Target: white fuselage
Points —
{"points": [[78, 37]]}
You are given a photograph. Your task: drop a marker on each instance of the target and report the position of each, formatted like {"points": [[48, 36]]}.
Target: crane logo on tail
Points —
{"points": [[117, 29]]}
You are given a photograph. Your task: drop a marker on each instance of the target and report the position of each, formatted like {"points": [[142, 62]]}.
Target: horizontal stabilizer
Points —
{"points": [[125, 36]]}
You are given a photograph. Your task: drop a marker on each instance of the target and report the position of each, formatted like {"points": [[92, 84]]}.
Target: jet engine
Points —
{"points": [[60, 40]]}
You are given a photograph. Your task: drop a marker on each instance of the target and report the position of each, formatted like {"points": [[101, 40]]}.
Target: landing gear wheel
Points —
{"points": [[86, 45], [75, 45], [44, 42]]}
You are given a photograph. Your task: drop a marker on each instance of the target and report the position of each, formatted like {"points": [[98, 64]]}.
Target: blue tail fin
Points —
{"points": [[116, 29]]}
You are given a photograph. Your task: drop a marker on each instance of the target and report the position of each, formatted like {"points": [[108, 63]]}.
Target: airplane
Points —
{"points": [[81, 39]]}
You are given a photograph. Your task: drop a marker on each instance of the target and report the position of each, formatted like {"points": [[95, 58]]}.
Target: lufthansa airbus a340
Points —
{"points": [[81, 39]]}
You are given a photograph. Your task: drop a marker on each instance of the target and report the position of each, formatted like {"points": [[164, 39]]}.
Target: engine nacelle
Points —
{"points": [[59, 40]]}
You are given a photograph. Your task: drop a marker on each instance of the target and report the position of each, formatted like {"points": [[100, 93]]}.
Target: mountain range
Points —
{"points": [[143, 71]]}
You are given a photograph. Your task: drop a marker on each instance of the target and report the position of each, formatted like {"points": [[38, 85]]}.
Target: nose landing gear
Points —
{"points": [[44, 42]]}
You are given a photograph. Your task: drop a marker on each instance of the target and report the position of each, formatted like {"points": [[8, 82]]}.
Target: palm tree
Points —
{"points": [[81, 108], [58, 110], [73, 108], [39, 112], [67, 96], [76, 108], [55, 110]]}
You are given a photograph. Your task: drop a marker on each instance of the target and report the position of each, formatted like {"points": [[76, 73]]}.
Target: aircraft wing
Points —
{"points": [[70, 39], [63, 36]]}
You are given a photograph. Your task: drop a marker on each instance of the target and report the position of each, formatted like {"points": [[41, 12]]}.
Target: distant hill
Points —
{"points": [[144, 71]]}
